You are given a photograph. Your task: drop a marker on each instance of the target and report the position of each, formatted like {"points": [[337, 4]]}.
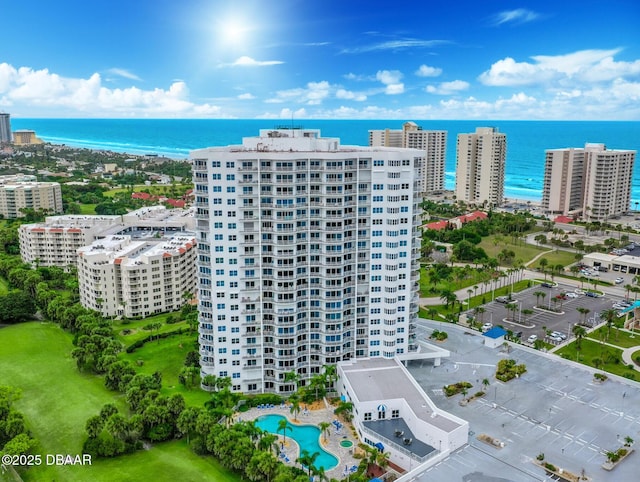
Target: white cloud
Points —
{"points": [[447, 88], [399, 44], [246, 96], [245, 61], [350, 95], [519, 15], [427, 71], [583, 66], [313, 94], [391, 80], [123, 73], [41, 90]]}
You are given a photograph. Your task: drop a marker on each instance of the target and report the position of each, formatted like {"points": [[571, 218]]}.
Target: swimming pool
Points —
{"points": [[307, 437]]}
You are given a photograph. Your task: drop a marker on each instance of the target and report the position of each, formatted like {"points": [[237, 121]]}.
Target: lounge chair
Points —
{"points": [[407, 441]]}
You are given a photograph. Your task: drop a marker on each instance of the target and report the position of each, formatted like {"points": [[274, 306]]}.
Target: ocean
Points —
{"points": [[175, 138]]}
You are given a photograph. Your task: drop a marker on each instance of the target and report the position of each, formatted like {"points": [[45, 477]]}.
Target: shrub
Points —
{"points": [[540, 456], [455, 388], [600, 376], [439, 335], [507, 369], [550, 467]]}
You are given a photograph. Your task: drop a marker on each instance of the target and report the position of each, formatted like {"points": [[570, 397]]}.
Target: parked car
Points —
{"points": [[486, 327], [619, 280], [559, 334], [532, 339], [592, 294], [571, 295], [503, 299], [518, 334], [546, 285]]}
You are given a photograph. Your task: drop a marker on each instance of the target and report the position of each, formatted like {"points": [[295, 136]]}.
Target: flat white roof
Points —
{"points": [[376, 379]]}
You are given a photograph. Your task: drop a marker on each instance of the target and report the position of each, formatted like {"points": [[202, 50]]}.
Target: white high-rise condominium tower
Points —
{"points": [[480, 166], [433, 143], [594, 181], [307, 255]]}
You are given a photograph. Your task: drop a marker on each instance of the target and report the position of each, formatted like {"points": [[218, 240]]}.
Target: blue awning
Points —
{"points": [[382, 408], [379, 446]]}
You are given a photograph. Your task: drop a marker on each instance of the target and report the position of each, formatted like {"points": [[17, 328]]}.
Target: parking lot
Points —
{"points": [[541, 320], [556, 408]]}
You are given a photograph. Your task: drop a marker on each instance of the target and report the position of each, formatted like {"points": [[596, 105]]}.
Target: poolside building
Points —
{"points": [[393, 413]]}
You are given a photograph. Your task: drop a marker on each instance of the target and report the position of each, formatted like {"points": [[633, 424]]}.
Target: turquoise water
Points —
{"points": [[526, 140], [307, 437]]}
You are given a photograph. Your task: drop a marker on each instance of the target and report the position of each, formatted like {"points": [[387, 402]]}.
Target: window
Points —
{"points": [[367, 416]]}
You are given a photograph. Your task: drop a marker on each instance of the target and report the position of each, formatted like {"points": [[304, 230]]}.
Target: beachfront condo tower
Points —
{"points": [[5, 128], [307, 256], [594, 182], [433, 143], [480, 167]]}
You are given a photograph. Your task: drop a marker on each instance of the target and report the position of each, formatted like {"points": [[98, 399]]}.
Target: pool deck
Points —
{"points": [[314, 417]]}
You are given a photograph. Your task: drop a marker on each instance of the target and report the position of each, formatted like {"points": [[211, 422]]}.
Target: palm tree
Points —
{"points": [[449, 297], [583, 314], [307, 459], [283, 426], [512, 307], [543, 263], [324, 429], [579, 332], [628, 287], [485, 383], [295, 405], [292, 376], [539, 294], [609, 316], [432, 313], [526, 312]]}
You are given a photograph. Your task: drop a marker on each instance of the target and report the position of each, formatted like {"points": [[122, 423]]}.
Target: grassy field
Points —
{"points": [[167, 356], [57, 400], [87, 208], [525, 252], [592, 350], [564, 258], [137, 327], [617, 337]]}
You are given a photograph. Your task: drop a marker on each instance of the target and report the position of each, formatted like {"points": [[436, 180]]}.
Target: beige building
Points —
{"points": [[25, 138], [56, 241], [431, 171], [124, 276], [594, 182], [480, 166], [17, 195]]}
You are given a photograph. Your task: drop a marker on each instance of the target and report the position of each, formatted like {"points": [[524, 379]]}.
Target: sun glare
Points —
{"points": [[233, 32]]}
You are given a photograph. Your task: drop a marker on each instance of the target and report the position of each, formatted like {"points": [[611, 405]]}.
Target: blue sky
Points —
{"points": [[331, 59]]}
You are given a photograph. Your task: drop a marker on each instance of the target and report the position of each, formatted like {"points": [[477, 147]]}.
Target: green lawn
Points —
{"points": [[564, 258], [87, 208], [57, 400], [525, 252], [167, 356], [592, 350], [137, 327], [617, 337]]}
